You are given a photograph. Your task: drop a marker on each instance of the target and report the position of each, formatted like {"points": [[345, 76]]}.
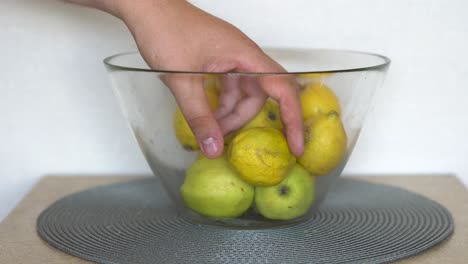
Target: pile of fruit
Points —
{"points": [[257, 170]]}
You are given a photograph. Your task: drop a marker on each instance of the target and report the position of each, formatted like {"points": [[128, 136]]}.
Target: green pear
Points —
{"points": [[213, 188], [289, 199]]}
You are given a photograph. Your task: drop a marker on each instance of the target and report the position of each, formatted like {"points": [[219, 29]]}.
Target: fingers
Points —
{"points": [[246, 108], [190, 95], [230, 95], [284, 89]]}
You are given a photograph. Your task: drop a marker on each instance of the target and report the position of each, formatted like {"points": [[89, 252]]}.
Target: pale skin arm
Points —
{"points": [[173, 34]]}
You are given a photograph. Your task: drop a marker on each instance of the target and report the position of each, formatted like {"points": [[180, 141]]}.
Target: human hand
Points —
{"points": [[175, 35]]}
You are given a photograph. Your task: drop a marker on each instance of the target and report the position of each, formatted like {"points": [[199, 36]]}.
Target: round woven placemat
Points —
{"points": [[133, 222]]}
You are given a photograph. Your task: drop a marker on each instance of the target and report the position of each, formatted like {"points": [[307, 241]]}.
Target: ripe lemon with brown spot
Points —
{"points": [[212, 82], [269, 116], [324, 145], [261, 156], [315, 75], [318, 98], [305, 79], [183, 132]]}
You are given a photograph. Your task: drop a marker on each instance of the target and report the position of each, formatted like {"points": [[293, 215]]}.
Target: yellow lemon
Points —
{"points": [[315, 75], [324, 145], [212, 82], [261, 156], [305, 79], [317, 98], [182, 130], [269, 116]]}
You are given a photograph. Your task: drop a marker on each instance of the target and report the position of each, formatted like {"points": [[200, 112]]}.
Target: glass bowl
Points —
{"points": [[149, 107]]}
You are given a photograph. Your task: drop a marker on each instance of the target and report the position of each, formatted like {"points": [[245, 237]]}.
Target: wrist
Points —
{"points": [[130, 11], [108, 6]]}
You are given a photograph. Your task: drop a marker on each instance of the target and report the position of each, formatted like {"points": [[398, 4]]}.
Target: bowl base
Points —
{"points": [[250, 220]]}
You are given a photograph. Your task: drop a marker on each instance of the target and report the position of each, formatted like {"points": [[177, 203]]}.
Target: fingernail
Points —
{"points": [[209, 146]]}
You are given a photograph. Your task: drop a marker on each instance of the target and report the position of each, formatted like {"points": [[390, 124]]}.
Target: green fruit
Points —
{"points": [[289, 199], [212, 188]]}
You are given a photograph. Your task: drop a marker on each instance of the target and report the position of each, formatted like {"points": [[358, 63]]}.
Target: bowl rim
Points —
{"points": [[380, 66]]}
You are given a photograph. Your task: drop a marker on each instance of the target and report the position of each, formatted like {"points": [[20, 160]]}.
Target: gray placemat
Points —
{"points": [[133, 222]]}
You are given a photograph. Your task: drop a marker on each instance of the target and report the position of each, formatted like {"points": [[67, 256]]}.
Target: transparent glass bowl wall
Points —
{"points": [[149, 107]]}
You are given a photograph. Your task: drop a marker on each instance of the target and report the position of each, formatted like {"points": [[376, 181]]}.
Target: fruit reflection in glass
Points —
{"points": [[257, 182]]}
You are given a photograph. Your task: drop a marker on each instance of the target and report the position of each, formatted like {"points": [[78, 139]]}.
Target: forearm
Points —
{"points": [[175, 35], [124, 8], [109, 6]]}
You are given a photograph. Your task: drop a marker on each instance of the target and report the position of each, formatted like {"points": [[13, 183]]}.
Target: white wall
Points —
{"points": [[58, 114]]}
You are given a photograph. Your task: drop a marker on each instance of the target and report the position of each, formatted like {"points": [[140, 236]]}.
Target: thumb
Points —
{"points": [[191, 98]]}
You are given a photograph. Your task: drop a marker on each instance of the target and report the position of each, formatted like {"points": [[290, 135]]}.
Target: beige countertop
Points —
{"points": [[19, 242]]}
